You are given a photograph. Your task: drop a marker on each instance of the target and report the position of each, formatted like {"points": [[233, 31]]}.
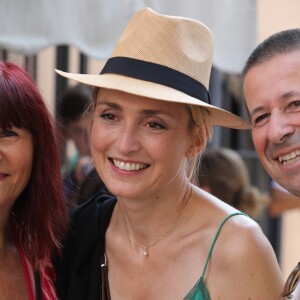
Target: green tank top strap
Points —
{"points": [[216, 237]]}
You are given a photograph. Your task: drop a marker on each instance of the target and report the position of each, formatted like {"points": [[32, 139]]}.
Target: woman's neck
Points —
{"points": [[147, 221]]}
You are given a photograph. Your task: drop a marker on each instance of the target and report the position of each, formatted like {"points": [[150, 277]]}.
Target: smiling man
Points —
{"points": [[271, 85]]}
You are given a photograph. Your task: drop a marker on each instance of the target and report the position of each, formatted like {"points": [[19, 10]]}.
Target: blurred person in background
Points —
{"points": [[80, 179], [224, 173], [75, 125]]}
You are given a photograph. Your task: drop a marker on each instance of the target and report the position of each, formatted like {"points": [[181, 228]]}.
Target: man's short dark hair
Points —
{"points": [[279, 43]]}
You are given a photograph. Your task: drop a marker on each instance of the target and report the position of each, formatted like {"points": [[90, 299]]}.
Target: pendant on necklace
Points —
{"points": [[145, 252]]}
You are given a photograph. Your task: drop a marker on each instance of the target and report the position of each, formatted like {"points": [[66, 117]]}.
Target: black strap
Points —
{"points": [[104, 284], [38, 288], [156, 73], [105, 215]]}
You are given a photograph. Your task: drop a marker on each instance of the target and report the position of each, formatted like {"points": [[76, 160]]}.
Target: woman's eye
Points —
{"points": [[8, 133], [155, 125], [107, 116]]}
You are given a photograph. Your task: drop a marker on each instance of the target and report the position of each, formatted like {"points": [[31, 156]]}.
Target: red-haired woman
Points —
{"points": [[33, 212]]}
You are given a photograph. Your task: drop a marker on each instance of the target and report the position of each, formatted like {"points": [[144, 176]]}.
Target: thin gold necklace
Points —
{"points": [[161, 237]]}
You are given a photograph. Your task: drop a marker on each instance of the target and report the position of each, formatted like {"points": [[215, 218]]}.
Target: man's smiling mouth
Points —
{"points": [[289, 158]]}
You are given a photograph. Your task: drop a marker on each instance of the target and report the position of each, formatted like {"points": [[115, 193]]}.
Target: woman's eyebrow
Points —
{"points": [[149, 112], [110, 104]]}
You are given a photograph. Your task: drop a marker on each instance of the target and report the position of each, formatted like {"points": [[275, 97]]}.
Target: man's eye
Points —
{"points": [[295, 103], [260, 118]]}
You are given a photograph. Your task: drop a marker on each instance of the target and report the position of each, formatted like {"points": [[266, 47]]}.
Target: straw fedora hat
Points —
{"points": [[166, 58]]}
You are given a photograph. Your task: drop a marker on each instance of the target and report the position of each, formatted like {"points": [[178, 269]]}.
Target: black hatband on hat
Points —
{"points": [[156, 73]]}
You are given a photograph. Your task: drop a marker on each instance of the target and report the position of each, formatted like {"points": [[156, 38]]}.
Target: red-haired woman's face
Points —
{"points": [[16, 157]]}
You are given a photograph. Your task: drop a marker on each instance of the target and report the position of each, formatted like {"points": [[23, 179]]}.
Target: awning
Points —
{"points": [[93, 26]]}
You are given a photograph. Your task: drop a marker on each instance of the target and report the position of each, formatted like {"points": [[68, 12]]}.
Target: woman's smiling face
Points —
{"points": [[16, 158], [139, 144]]}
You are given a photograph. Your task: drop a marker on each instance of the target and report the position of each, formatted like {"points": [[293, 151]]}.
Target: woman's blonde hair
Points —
{"points": [[200, 119]]}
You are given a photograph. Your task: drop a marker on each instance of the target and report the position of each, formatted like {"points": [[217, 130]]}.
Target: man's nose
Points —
{"points": [[280, 127]]}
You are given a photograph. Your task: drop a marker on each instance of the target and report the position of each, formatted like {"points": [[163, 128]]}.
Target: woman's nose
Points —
{"points": [[128, 140]]}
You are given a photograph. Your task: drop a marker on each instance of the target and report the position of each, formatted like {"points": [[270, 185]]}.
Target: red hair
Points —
{"points": [[40, 211]]}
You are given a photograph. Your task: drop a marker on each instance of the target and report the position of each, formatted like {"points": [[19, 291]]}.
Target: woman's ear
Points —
{"points": [[190, 152], [196, 145]]}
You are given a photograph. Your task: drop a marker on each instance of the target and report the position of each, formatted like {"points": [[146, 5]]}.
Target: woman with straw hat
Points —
{"points": [[161, 237]]}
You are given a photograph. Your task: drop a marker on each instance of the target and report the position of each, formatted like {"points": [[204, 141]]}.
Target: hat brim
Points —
{"points": [[218, 116]]}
